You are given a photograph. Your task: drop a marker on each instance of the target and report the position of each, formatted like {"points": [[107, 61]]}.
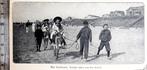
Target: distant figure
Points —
{"points": [[33, 27], [105, 37], [27, 26], [39, 36], [85, 36]]}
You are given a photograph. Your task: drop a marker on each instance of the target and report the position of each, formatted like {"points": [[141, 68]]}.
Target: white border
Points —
{"points": [[48, 66]]}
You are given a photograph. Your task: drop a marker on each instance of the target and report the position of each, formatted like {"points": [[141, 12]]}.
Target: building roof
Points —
{"points": [[134, 8]]}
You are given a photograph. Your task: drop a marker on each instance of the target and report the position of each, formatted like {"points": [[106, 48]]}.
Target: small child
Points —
{"points": [[85, 36], [39, 36], [105, 37]]}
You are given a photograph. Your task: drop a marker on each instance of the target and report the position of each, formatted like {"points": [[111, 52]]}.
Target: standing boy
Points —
{"points": [[105, 37], [39, 36], [85, 36]]}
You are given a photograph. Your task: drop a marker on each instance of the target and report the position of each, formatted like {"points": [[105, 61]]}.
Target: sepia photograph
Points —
{"points": [[78, 33]]}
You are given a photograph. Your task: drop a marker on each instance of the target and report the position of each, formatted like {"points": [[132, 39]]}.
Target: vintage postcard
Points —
{"points": [[67, 35]]}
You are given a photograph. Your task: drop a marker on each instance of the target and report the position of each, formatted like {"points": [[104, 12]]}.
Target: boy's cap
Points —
{"points": [[57, 18], [85, 22], [105, 25]]}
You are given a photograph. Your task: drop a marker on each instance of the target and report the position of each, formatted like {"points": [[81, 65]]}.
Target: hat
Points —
{"points": [[46, 20], [57, 18], [85, 22]]}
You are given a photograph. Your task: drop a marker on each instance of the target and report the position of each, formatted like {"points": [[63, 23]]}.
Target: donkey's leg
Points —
{"points": [[45, 43]]}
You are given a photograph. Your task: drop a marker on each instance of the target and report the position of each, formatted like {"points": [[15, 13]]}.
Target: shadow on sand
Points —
{"points": [[75, 54], [114, 55]]}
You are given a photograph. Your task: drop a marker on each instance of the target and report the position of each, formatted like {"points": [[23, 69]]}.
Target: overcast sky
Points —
{"points": [[32, 11]]}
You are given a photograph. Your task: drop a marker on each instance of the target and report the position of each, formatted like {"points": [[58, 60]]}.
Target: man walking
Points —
{"points": [[85, 36]]}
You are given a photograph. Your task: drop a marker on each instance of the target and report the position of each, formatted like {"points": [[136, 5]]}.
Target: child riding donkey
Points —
{"points": [[57, 30]]}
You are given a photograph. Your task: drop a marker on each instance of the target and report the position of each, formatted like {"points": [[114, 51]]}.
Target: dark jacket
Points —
{"points": [[60, 27], [105, 35], [39, 34], [27, 24], [85, 33]]}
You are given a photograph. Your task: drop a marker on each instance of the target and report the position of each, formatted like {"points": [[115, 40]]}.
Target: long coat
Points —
{"points": [[85, 36], [39, 36]]}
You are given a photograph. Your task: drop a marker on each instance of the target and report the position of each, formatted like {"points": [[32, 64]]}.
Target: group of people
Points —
{"points": [[85, 36], [49, 31]]}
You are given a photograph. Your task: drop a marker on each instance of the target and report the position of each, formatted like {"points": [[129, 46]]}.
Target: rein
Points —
{"points": [[71, 45]]}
